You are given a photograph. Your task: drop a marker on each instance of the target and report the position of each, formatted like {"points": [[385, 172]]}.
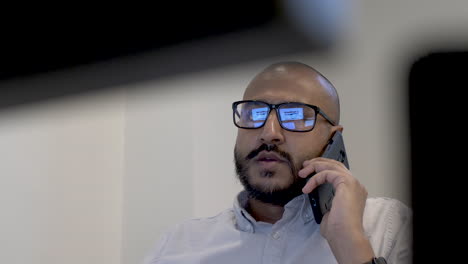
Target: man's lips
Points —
{"points": [[266, 156]]}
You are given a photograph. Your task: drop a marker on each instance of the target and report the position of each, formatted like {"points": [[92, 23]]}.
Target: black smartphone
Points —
{"points": [[321, 198]]}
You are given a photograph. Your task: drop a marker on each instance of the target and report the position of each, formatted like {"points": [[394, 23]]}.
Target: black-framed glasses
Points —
{"points": [[292, 116]]}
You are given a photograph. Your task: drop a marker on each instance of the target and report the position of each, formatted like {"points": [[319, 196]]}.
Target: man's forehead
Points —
{"points": [[274, 97], [281, 90]]}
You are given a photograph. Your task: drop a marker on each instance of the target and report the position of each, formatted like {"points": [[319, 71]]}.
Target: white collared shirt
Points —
{"points": [[233, 236]]}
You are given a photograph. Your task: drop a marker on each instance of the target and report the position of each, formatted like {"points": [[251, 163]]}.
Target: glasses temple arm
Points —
{"points": [[326, 117]]}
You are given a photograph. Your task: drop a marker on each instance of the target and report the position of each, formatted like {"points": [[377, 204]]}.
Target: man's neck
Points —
{"points": [[265, 212]]}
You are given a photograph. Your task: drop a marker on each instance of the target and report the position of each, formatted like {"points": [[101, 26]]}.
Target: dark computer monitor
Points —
{"points": [[438, 131]]}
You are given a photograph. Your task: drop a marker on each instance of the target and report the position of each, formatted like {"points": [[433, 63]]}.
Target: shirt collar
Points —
{"points": [[247, 223]]}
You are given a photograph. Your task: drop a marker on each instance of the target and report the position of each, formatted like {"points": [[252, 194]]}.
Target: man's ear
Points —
{"points": [[333, 129], [336, 128]]}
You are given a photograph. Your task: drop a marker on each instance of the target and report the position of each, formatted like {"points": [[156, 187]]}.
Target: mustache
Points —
{"points": [[269, 147]]}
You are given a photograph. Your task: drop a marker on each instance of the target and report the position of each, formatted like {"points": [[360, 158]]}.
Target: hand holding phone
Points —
{"points": [[321, 198]]}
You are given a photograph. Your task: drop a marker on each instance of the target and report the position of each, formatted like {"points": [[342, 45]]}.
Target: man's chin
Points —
{"points": [[272, 180], [270, 195], [275, 186]]}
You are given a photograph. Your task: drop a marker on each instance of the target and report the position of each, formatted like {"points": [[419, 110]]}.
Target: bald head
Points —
{"points": [[294, 81]]}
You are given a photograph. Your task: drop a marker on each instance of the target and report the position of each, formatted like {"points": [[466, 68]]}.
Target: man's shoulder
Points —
{"points": [[191, 233], [195, 224], [383, 213], [383, 205]]}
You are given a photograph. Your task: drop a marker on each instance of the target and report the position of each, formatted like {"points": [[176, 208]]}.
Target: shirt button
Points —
{"points": [[276, 235]]}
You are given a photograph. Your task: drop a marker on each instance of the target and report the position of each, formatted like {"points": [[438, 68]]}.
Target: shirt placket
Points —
{"points": [[274, 246]]}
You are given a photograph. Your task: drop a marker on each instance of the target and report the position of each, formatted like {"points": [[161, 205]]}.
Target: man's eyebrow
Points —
{"points": [[280, 101]]}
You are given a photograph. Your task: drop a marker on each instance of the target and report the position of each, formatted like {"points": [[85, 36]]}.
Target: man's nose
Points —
{"points": [[272, 132]]}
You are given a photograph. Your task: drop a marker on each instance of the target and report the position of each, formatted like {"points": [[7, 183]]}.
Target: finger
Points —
{"points": [[331, 176], [307, 162], [318, 159], [306, 171], [316, 165]]}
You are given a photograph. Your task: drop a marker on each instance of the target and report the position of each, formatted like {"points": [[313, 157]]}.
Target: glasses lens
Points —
{"points": [[297, 117], [250, 114]]}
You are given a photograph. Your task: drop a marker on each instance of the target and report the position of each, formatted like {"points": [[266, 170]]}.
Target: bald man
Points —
{"points": [[288, 114]]}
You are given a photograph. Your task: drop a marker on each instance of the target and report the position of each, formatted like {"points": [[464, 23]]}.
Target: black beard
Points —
{"points": [[276, 196]]}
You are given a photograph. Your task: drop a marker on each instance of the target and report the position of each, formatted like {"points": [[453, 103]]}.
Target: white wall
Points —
{"points": [[61, 181]]}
